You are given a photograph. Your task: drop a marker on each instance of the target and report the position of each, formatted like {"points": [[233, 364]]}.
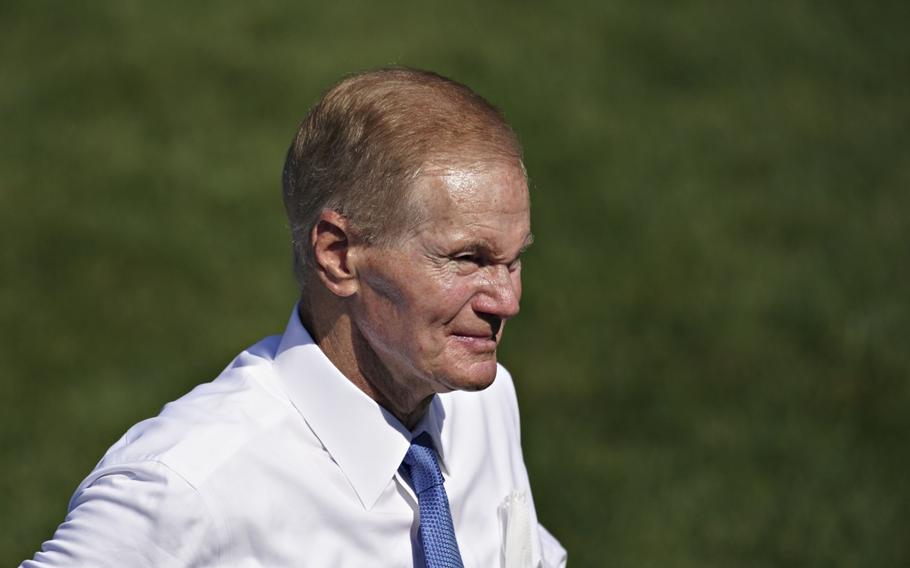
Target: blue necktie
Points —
{"points": [[437, 535]]}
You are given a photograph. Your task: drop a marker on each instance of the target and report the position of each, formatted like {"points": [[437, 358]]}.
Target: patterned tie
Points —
{"points": [[437, 535]]}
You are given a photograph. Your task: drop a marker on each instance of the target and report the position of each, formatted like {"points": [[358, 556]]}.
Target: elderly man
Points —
{"points": [[378, 430]]}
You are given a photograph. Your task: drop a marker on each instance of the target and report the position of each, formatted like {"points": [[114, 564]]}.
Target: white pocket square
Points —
{"points": [[515, 522]]}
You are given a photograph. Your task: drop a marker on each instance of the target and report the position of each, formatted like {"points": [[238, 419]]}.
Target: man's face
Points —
{"points": [[431, 306]]}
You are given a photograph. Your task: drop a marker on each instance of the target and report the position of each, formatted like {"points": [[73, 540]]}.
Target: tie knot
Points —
{"points": [[421, 465]]}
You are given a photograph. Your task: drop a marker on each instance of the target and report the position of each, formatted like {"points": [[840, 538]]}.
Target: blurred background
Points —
{"points": [[712, 355]]}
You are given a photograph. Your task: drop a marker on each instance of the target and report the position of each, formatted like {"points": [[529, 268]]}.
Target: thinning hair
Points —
{"points": [[360, 148]]}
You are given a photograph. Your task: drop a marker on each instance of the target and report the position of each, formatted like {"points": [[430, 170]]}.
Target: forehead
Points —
{"points": [[448, 190], [486, 200]]}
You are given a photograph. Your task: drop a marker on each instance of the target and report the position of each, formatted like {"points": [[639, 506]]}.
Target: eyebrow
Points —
{"points": [[484, 246]]}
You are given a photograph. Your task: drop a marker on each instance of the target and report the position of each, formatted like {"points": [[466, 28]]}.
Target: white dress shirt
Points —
{"points": [[281, 461]]}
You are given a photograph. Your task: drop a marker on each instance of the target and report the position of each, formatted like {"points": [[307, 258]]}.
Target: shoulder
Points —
{"points": [[143, 500], [196, 433]]}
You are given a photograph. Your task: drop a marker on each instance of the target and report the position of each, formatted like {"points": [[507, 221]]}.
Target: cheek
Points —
{"points": [[440, 296], [387, 288], [407, 306], [456, 297]]}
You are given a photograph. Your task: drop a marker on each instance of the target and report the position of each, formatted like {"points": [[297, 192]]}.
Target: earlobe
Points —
{"points": [[332, 244]]}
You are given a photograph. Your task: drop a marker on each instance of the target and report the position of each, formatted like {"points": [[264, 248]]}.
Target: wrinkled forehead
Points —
{"points": [[485, 179], [495, 191]]}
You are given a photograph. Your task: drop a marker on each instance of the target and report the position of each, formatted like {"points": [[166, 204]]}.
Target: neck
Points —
{"points": [[347, 349]]}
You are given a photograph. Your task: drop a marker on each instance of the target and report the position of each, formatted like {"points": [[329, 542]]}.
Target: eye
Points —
{"points": [[469, 258]]}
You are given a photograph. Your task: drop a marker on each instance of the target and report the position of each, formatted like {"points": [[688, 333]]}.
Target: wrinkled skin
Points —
{"points": [[429, 310]]}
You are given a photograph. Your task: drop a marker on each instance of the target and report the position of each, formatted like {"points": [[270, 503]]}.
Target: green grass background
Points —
{"points": [[712, 358]]}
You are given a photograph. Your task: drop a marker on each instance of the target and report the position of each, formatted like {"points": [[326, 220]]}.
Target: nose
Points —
{"points": [[501, 293]]}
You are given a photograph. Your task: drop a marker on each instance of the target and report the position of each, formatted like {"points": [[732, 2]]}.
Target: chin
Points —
{"points": [[477, 377]]}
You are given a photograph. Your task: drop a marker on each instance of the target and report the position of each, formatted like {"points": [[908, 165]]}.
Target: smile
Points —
{"points": [[477, 343]]}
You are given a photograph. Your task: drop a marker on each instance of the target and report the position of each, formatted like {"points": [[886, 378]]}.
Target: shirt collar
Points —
{"points": [[432, 423], [366, 441]]}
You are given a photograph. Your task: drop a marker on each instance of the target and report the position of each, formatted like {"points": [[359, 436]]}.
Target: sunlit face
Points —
{"points": [[431, 307]]}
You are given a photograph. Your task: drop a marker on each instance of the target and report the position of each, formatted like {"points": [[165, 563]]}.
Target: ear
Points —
{"points": [[332, 242]]}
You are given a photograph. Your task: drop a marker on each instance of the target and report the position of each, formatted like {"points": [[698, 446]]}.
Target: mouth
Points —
{"points": [[481, 337], [477, 342]]}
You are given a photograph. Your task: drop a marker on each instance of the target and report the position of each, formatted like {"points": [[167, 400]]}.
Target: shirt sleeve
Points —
{"points": [[141, 515]]}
